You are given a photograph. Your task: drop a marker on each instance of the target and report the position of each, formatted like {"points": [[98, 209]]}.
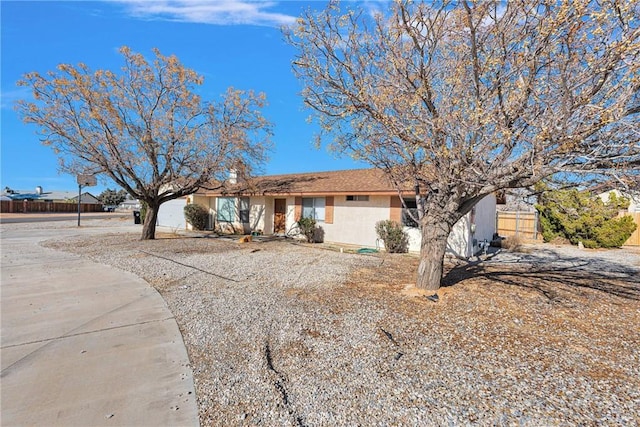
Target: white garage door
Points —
{"points": [[171, 214]]}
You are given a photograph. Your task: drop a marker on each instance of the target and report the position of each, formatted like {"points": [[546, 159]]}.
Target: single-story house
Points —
{"points": [[345, 204]]}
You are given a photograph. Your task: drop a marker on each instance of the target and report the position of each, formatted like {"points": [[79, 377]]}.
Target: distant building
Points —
{"points": [[39, 195], [130, 205]]}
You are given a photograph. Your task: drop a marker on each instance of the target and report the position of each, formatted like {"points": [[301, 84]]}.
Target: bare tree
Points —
{"points": [[459, 99], [145, 128]]}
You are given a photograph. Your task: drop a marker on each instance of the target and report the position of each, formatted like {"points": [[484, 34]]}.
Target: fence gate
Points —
{"points": [[521, 224]]}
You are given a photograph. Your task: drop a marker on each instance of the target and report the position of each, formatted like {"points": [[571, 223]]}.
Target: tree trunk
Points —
{"points": [[150, 220], [432, 249]]}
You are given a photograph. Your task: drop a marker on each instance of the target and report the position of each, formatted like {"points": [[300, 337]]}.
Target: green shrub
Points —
{"points": [[196, 215], [307, 228], [616, 231], [393, 235], [581, 217]]}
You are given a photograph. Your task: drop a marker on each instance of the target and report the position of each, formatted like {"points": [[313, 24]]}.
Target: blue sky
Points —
{"points": [[231, 43]]}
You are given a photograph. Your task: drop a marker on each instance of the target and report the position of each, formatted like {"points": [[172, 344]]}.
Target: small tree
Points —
{"points": [[112, 197], [196, 215], [580, 217], [393, 235], [308, 228], [146, 128]]}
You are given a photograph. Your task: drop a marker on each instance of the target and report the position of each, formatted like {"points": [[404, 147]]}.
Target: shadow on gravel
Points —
{"points": [[550, 273]]}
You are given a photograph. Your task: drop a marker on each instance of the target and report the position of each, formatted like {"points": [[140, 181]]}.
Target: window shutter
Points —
{"points": [[395, 213], [328, 213], [297, 212]]}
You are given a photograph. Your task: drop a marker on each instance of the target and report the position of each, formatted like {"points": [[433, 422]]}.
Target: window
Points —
{"points": [[357, 198], [313, 207], [410, 210], [226, 211], [244, 210]]}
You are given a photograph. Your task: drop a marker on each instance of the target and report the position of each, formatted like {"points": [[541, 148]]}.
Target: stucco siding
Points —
{"points": [[267, 217], [257, 210], [457, 243], [485, 219], [354, 222], [291, 213], [462, 241]]}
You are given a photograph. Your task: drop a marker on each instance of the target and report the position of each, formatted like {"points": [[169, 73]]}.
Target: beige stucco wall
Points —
{"points": [[354, 221], [291, 212]]}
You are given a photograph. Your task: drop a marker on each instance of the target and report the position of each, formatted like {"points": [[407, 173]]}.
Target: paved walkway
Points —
{"points": [[85, 344]]}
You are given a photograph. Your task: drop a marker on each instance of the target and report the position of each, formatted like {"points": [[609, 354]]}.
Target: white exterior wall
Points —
{"points": [[457, 244], [171, 214], [485, 219], [354, 222], [461, 240]]}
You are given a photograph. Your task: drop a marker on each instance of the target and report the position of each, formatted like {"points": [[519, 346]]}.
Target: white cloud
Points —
{"points": [[218, 12], [8, 98]]}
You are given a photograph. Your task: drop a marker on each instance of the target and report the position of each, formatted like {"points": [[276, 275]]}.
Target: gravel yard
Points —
{"points": [[287, 334]]}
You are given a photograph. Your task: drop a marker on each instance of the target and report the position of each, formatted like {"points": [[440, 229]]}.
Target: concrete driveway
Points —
{"points": [[85, 344]]}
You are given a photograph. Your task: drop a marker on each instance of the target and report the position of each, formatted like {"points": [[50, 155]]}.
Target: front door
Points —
{"points": [[280, 216]]}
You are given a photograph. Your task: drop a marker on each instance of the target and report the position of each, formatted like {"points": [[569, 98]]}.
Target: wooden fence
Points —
{"points": [[522, 224], [24, 206], [634, 240], [527, 226]]}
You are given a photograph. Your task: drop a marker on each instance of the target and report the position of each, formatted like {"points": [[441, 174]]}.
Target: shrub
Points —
{"points": [[580, 217], [512, 243], [308, 228], [616, 231], [394, 237], [196, 215]]}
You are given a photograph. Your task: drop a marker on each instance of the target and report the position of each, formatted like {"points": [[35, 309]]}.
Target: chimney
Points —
{"points": [[233, 177], [38, 190]]}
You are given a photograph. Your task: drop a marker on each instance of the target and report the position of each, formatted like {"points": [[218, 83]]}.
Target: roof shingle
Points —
{"points": [[354, 181]]}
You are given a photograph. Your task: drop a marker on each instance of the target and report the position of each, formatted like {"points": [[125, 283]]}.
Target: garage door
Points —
{"points": [[171, 214]]}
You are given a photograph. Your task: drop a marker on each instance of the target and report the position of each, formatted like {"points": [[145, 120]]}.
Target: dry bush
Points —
{"points": [[513, 244]]}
